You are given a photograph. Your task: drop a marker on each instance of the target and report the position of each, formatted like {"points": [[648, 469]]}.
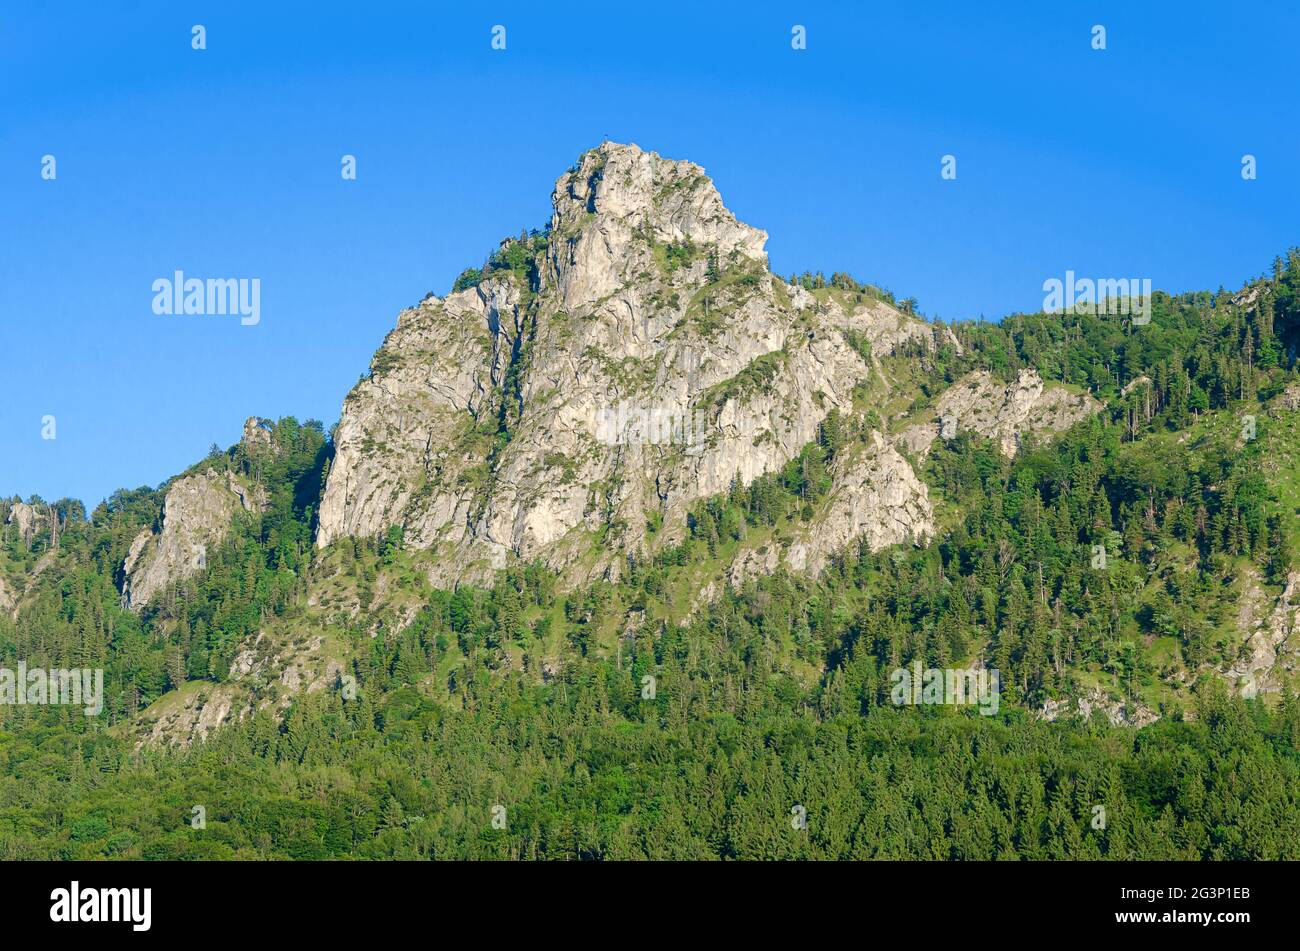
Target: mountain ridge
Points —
{"points": [[631, 420], [612, 305]]}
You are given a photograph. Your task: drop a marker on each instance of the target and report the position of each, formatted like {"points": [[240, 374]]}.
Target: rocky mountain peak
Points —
{"points": [[620, 203], [573, 400]]}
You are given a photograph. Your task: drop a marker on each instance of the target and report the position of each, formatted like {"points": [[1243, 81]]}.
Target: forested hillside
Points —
{"points": [[664, 711]]}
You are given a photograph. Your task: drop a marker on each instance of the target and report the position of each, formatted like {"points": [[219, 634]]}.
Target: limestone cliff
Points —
{"points": [[1270, 648], [634, 358], [1005, 413], [877, 500], [27, 520], [196, 516]]}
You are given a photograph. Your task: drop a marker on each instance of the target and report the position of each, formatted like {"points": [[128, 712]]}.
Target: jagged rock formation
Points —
{"points": [[196, 517], [495, 421], [257, 434], [1246, 298], [1002, 412], [27, 519], [1269, 649], [1118, 712], [1288, 400], [878, 323], [877, 500], [266, 674]]}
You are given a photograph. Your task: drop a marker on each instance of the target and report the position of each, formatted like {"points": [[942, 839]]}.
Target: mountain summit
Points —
{"points": [[574, 397]]}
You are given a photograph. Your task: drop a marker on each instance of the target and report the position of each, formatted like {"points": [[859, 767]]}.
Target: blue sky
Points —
{"points": [[225, 163]]}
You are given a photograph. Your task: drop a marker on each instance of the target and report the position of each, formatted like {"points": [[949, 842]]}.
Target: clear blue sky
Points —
{"points": [[225, 163]]}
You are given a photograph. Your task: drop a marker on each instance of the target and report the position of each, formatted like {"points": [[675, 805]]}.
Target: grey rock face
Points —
{"points": [[877, 500], [196, 517], [1288, 399], [1002, 412], [1271, 648], [27, 519], [8, 599], [192, 716], [256, 434], [1116, 711], [648, 360]]}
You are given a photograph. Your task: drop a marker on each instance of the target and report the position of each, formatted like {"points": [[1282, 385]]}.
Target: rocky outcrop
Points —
{"points": [[637, 357], [1269, 650], [1288, 400], [1134, 384], [1247, 297], [265, 675], [1002, 412], [8, 599], [27, 520], [875, 322], [191, 715], [257, 434], [1115, 710], [877, 501], [196, 516]]}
